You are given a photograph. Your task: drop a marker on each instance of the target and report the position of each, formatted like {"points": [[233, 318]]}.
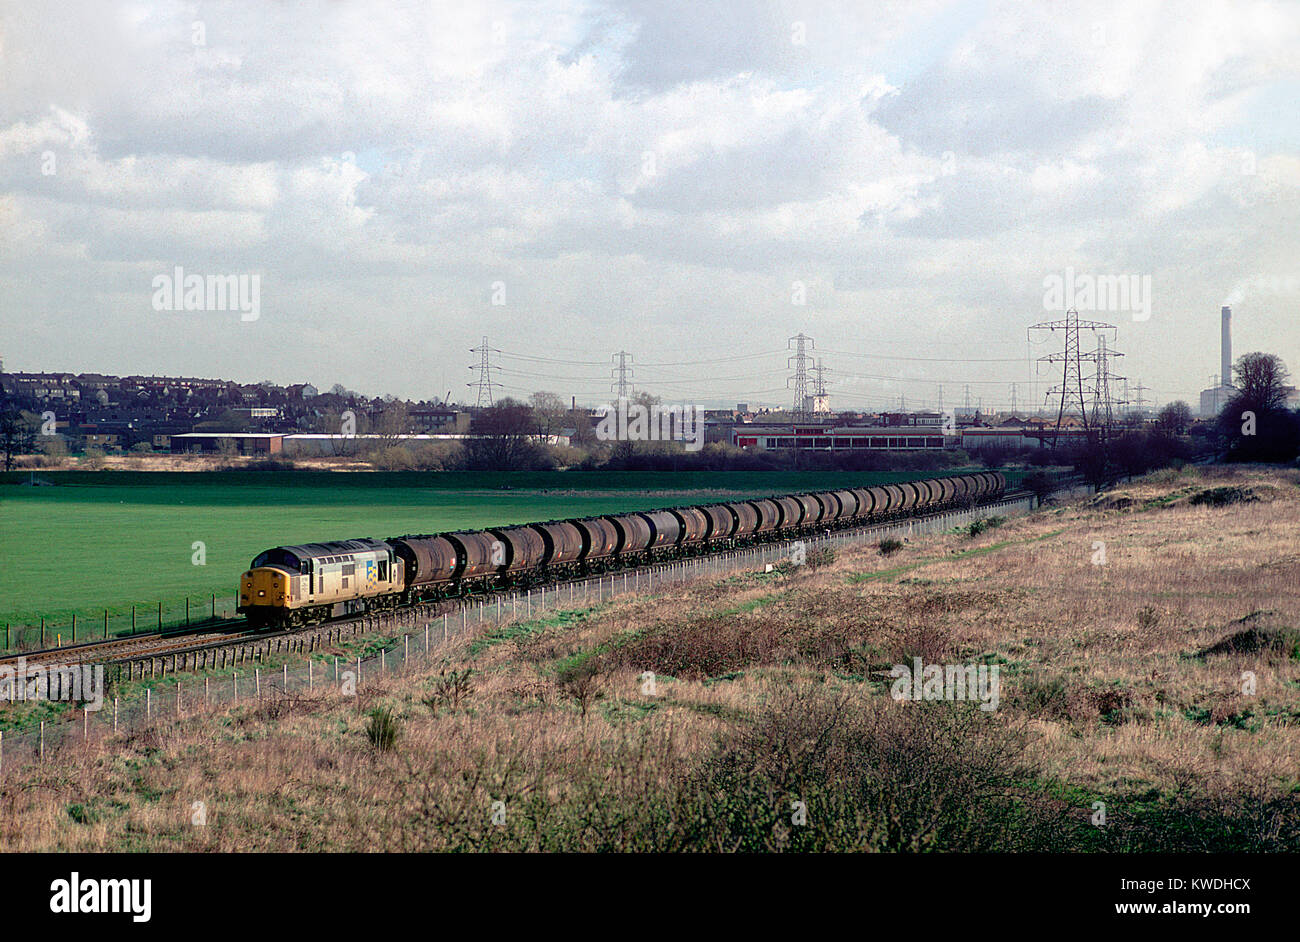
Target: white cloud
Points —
{"points": [[619, 165]]}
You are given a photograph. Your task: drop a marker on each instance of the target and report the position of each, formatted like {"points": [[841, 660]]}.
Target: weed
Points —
{"points": [[383, 728], [449, 689], [889, 546]]}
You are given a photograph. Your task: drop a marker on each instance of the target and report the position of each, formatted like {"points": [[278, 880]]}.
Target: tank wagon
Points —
{"points": [[293, 585]]}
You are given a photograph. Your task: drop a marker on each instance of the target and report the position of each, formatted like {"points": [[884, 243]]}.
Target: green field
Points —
{"points": [[92, 541]]}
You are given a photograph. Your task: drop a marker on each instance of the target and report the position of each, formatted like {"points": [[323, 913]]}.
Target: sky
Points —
{"points": [[694, 184]]}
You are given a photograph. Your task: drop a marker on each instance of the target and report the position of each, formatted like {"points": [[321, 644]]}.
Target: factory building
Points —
{"points": [[1216, 397], [841, 438], [900, 437]]}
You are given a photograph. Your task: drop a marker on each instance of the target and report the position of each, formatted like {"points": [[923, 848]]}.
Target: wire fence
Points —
{"points": [[422, 639], [191, 611]]}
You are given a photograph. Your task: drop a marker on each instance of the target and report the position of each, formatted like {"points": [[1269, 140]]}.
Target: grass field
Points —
{"points": [[95, 541], [1122, 689]]}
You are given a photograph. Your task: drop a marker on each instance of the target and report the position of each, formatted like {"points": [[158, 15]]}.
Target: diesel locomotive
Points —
{"points": [[295, 585]]}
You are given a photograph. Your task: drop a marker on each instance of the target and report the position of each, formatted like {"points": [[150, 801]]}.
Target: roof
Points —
{"points": [[230, 435]]}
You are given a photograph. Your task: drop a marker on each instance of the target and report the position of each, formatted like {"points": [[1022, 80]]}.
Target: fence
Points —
{"points": [[422, 638], [193, 610]]}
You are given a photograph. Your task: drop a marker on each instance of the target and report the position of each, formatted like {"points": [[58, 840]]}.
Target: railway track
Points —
{"points": [[232, 642], [109, 650]]}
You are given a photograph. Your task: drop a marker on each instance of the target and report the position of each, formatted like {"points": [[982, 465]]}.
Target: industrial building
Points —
{"points": [[243, 443], [919, 437], [841, 438], [1216, 397]]}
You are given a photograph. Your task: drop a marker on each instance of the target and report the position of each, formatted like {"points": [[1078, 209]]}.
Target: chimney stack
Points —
{"points": [[1225, 374]]}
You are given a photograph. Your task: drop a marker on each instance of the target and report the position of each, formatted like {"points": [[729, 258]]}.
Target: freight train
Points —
{"points": [[295, 585]]}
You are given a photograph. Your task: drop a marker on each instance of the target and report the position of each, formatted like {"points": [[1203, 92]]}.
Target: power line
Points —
{"points": [[800, 359], [485, 369], [744, 356], [622, 373], [524, 356], [1071, 389], [1103, 401], [883, 356], [820, 398]]}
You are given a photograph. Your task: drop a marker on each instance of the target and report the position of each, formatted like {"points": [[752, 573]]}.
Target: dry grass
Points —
{"points": [[1123, 681]]}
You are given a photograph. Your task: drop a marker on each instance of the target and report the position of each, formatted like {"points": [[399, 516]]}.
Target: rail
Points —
{"points": [[246, 670]]}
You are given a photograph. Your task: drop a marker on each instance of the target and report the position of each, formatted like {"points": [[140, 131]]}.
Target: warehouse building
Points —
{"points": [[240, 443], [841, 438]]}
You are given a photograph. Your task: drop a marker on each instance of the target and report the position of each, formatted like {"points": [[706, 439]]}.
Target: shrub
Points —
{"points": [[1223, 496], [393, 458], [450, 689], [383, 728], [926, 639], [1039, 484], [889, 546], [580, 682], [906, 779], [259, 464], [1045, 697], [822, 557]]}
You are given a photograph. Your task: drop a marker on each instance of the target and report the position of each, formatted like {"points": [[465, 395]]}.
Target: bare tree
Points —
{"points": [[1261, 382], [503, 440], [1256, 424], [13, 432], [392, 423], [646, 401], [1174, 418], [549, 412]]}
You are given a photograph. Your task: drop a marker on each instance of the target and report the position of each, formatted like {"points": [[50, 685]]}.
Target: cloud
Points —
{"points": [[636, 173]]}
